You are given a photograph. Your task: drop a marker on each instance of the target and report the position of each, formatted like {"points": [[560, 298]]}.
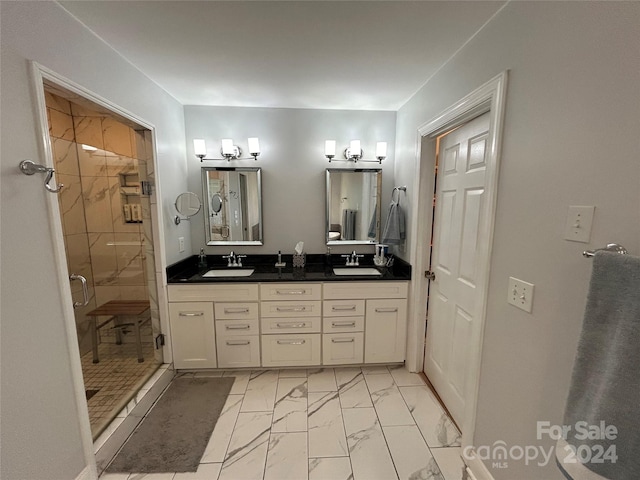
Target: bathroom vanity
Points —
{"points": [[279, 317]]}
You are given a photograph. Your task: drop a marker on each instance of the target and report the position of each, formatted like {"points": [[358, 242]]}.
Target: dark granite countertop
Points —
{"points": [[318, 268]]}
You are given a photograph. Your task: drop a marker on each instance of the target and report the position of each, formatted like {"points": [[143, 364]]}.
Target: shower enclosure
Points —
{"points": [[104, 161]]}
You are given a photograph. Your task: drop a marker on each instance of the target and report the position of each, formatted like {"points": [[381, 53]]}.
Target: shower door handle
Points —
{"points": [[85, 290]]}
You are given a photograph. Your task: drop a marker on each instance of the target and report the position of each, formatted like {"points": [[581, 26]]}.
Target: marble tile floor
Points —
{"points": [[116, 378], [369, 423]]}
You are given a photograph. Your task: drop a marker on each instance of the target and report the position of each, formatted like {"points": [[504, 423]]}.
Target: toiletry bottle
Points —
{"points": [[202, 260], [327, 257]]}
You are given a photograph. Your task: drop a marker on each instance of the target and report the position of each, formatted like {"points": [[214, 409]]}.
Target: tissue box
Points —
{"points": [[299, 259]]}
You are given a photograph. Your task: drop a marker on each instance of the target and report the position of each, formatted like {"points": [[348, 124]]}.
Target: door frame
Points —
{"points": [[489, 97], [39, 74]]}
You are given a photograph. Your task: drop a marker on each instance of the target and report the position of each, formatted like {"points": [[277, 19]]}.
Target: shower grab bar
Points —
{"points": [[29, 168], [611, 247]]}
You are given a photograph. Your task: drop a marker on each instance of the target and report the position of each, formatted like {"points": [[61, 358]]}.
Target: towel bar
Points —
{"points": [[611, 247]]}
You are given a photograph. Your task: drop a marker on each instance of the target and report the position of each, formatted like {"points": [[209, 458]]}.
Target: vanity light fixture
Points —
{"points": [[354, 151], [228, 150]]}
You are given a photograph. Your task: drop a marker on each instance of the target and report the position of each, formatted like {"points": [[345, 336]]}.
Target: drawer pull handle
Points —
{"points": [[238, 343], [291, 292], [343, 340], [347, 308], [386, 310], [291, 325], [191, 314], [238, 327], [343, 324], [236, 310], [291, 309], [291, 342]]}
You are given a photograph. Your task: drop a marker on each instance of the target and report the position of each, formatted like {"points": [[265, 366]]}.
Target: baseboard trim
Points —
{"points": [[86, 474], [476, 469]]}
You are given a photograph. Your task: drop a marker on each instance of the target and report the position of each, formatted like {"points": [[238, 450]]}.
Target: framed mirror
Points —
{"points": [[353, 206], [232, 205]]}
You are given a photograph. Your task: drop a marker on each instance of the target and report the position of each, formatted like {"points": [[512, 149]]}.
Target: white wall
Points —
{"points": [[293, 166], [40, 434], [570, 138]]}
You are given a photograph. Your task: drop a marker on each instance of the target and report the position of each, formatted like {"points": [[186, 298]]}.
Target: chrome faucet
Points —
{"points": [[232, 259], [353, 259]]}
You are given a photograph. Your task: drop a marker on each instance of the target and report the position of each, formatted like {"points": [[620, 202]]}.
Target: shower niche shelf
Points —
{"points": [[130, 197]]}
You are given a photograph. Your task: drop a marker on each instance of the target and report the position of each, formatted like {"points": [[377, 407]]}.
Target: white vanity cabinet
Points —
{"points": [[203, 317], [242, 325], [384, 307], [291, 324]]}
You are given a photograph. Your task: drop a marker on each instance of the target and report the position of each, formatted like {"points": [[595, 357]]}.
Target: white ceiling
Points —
{"points": [[361, 55]]}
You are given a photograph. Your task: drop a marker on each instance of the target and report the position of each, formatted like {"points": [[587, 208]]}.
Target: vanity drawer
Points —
{"points": [[237, 327], [349, 290], [290, 291], [291, 309], [342, 348], [290, 325], [343, 308], [211, 293], [238, 351], [236, 311], [290, 350], [342, 324]]}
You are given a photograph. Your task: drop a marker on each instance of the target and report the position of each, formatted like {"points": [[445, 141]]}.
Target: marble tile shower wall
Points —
{"points": [[113, 254]]}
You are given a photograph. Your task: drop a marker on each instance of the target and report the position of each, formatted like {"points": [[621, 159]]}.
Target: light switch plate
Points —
{"points": [[520, 294], [579, 222], [181, 244]]}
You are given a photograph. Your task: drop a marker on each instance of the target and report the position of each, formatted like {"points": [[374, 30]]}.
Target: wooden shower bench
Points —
{"points": [[124, 313]]}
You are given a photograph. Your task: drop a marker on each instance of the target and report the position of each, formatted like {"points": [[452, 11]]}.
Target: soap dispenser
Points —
{"points": [[202, 260]]}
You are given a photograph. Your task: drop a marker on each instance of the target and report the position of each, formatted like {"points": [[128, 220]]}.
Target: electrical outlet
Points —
{"points": [[181, 244], [579, 221], [520, 294]]}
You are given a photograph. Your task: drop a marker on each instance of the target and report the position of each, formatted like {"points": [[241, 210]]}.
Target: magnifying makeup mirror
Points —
{"points": [[187, 204]]}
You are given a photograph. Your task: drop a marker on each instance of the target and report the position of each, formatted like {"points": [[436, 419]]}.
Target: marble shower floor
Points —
{"points": [[369, 423]]}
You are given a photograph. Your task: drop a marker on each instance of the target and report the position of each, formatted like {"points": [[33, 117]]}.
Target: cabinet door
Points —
{"points": [[239, 351], [291, 350], [193, 335], [342, 348], [385, 331]]}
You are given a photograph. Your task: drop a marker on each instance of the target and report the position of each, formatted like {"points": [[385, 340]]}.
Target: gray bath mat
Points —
{"points": [[175, 433]]}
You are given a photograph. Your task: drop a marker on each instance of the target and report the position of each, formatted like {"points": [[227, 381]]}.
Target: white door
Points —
{"points": [[455, 295]]}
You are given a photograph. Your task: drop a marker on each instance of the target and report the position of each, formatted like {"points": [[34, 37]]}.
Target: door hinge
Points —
{"points": [[430, 275], [146, 187], [159, 341]]}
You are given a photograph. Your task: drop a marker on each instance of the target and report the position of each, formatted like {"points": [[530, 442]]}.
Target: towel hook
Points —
{"points": [[29, 168]]}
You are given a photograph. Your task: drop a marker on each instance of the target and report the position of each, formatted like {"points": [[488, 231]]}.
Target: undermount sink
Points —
{"points": [[370, 271], [229, 272]]}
